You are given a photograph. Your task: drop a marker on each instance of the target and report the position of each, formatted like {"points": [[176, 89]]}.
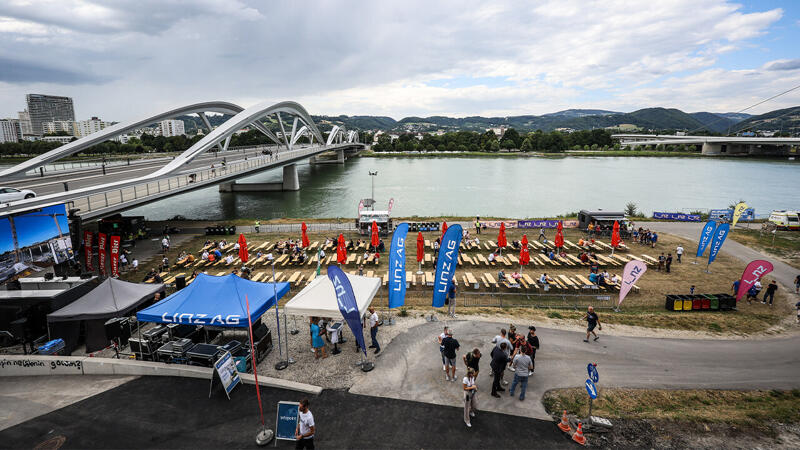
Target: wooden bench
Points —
{"points": [[429, 278], [650, 259], [529, 281], [490, 279], [472, 280], [510, 282]]}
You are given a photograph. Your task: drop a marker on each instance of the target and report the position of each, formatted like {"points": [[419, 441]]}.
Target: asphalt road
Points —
{"points": [[160, 412], [410, 367]]}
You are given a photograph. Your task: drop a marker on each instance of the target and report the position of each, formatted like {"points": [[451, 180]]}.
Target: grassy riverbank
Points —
{"points": [[579, 153], [785, 245]]}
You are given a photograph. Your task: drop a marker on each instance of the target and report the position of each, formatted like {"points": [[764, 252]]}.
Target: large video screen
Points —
{"points": [[33, 240]]}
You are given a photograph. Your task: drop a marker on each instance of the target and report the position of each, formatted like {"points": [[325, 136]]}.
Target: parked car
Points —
{"points": [[10, 194], [785, 220]]}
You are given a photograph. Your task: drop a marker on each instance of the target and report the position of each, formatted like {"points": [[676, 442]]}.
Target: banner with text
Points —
{"points": [[397, 267], [114, 242], [546, 223], [752, 273], [88, 237], [676, 216], [446, 265], [705, 237], [101, 253], [630, 274], [727, 214], [346, 300], [719, 238]]}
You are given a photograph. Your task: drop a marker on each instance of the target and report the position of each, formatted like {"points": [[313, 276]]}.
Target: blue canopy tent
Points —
{"points": [[215, 301]]}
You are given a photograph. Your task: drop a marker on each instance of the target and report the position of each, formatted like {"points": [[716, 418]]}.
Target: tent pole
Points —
{"points": [[282, 364], [286, 337]]}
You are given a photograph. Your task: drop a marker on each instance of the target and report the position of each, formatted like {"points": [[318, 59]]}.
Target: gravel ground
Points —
{"points": [[335, 371]]}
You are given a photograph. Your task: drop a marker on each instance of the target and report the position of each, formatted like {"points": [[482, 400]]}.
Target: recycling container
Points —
{"points": [[705, 302], [713, 302]]}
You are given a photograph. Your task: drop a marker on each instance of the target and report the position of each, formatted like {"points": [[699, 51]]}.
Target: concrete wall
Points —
{"points": [[37, 365]]}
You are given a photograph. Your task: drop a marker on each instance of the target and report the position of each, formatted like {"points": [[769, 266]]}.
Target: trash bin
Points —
{"points": [[726, 302], [697, 302], [713, 302], [673, 303], [705, 303], [687, 302]]}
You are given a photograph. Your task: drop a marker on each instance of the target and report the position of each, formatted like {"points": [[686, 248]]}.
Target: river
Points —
{"points": [[505, 187]]}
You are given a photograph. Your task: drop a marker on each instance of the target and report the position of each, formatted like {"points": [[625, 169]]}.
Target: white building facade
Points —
{"points": [[172, 127], [9, 130]]}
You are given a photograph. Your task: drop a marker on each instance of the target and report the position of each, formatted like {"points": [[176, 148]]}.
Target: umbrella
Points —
{"points": [[501, 237], [420, 250], [304, 238], [375, 241], [341, 251], [559, 240], [243, 255], [524, 255], [444, 228], [615, 236]]}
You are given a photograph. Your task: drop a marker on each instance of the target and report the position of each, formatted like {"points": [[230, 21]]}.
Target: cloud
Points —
{"points": [[379, 57], [784, 64]]}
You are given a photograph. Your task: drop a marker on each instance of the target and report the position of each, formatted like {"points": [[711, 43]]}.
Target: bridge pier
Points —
{"points": [[290, 183], [340, 156]]}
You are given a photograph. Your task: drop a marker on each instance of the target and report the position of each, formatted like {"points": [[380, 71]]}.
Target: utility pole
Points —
{"points": [[373, 175]]}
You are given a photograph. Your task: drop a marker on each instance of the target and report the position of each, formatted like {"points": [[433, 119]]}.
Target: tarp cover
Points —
{"points": [[319, 298], [218, 301], [112, 298]]}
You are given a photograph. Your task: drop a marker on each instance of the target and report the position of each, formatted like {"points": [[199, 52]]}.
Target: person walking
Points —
{"points": [[592, 321], [522, 366], [668, 262], [451, 299], [472, 360], [373, 329], [304, 432], [771, 288], [440, 338], [679, 252], [541, 235], [470, 392], [498, 365], [533, 341], [451, 346]]}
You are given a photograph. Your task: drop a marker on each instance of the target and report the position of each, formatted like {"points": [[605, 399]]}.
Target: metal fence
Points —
{"points": [[536, 300], [346, 225]]}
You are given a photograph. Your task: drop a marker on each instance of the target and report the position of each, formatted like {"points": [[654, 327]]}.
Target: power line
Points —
{"points": [[745, 109]]}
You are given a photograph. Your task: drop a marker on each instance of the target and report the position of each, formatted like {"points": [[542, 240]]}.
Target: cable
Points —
{"points": [[745, 109]]}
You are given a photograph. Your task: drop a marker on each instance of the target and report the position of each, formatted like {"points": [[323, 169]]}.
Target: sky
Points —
{"points": [[124, 59], [34, 228]]}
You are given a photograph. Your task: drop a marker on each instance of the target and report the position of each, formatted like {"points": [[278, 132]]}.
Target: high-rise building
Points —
{"points": [[9, 130], [48, 108], [57, 126], [87, 127], [172, 127], [25, 122]]}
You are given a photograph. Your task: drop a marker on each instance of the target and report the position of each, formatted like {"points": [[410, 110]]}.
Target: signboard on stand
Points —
{"points": [[286, 422], [225, 368]]}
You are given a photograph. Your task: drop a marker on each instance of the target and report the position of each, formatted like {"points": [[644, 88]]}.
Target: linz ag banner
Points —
{"points": [[446, 265], [346, 300], [88, 237], [101, 252], [676, 216], [114, 245], [727, 214], [545, 224], [397, 267]]}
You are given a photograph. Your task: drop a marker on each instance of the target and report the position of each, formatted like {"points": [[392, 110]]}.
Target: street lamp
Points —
{"points": [[373, 175]]}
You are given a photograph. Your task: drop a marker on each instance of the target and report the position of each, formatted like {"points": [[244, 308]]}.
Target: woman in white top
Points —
{"points": [[470, 392]]}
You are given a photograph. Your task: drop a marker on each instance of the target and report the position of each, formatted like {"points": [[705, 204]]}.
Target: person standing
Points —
{"points": [[472, 361], [797, 285], [661, 260], [258, 226], [533, 341], [541, 235], [679, 252], [304, 432], [470, 391], [440, 338], [165, 244], [477, 225], [592, 321], [735, 287], [373, 329], [771, 288], [522, 366], [668, 261], [451, 346], [498, 365], [451, 297], [501, 339], [316, 340]]}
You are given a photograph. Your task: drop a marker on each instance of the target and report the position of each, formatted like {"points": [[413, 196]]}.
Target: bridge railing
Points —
{"points": [[114, 197]]}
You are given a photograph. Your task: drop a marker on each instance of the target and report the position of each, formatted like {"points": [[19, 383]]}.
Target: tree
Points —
{"points": [[630, 209], [526, 146], [511, 139], [494, 146]]}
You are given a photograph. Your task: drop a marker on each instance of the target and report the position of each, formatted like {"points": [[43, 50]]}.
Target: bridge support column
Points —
{"points": [[340, 156], [312, 160], [290, 183], [712, 149]]}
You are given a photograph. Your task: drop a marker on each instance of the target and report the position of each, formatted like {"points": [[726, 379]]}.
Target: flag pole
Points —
{"points": [[264, 435], [281, 364]]}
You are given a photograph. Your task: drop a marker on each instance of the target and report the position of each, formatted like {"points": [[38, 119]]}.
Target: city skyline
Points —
{"points": [[456, 59]]}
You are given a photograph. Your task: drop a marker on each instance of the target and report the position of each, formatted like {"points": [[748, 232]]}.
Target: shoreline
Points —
{"points": [[569, 153]]}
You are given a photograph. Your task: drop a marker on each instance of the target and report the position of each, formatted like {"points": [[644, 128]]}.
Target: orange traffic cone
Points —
{"points": [[564, 425], [578, 436]]}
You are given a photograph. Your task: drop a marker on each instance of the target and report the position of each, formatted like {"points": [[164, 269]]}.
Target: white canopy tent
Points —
{"points": [[319, 298]]}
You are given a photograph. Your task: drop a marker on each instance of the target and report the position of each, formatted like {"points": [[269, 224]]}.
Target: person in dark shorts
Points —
{"points": [[472, 360], [592, 321], [533, 341], [450, 347]]}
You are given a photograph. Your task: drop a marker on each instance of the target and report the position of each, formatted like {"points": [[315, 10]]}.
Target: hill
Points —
{"points": [[785, 120]]}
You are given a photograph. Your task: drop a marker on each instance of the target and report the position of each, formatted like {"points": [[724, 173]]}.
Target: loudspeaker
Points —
{"points": [[180, 282]]}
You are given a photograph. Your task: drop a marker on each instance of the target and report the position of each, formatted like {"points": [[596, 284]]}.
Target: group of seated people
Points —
{"points": [[153, 276], [603, 279]]}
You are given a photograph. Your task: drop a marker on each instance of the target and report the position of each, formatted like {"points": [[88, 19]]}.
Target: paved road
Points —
{"points": [[410, 367], [784, 273], [160, 412]]}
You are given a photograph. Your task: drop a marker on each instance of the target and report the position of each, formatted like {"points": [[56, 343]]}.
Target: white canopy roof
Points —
{"points": [[319, 298]]}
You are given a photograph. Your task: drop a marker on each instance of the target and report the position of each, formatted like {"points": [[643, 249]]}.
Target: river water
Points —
{"points": [[505, 187]]}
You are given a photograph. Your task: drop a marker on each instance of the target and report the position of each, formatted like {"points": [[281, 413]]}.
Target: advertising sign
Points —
{"points": [[752, 273], [286, 422], [546, 223], [705, 237], [101, 252], [630, 274], [225, 367], [114, 244], [676, 216], [346, 300], [719, 238], [87, 250], [446, 265], [397, 267], [727, 214]]}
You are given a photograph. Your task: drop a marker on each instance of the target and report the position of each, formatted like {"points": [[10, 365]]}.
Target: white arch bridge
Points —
{"points": [[100, 194]]}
